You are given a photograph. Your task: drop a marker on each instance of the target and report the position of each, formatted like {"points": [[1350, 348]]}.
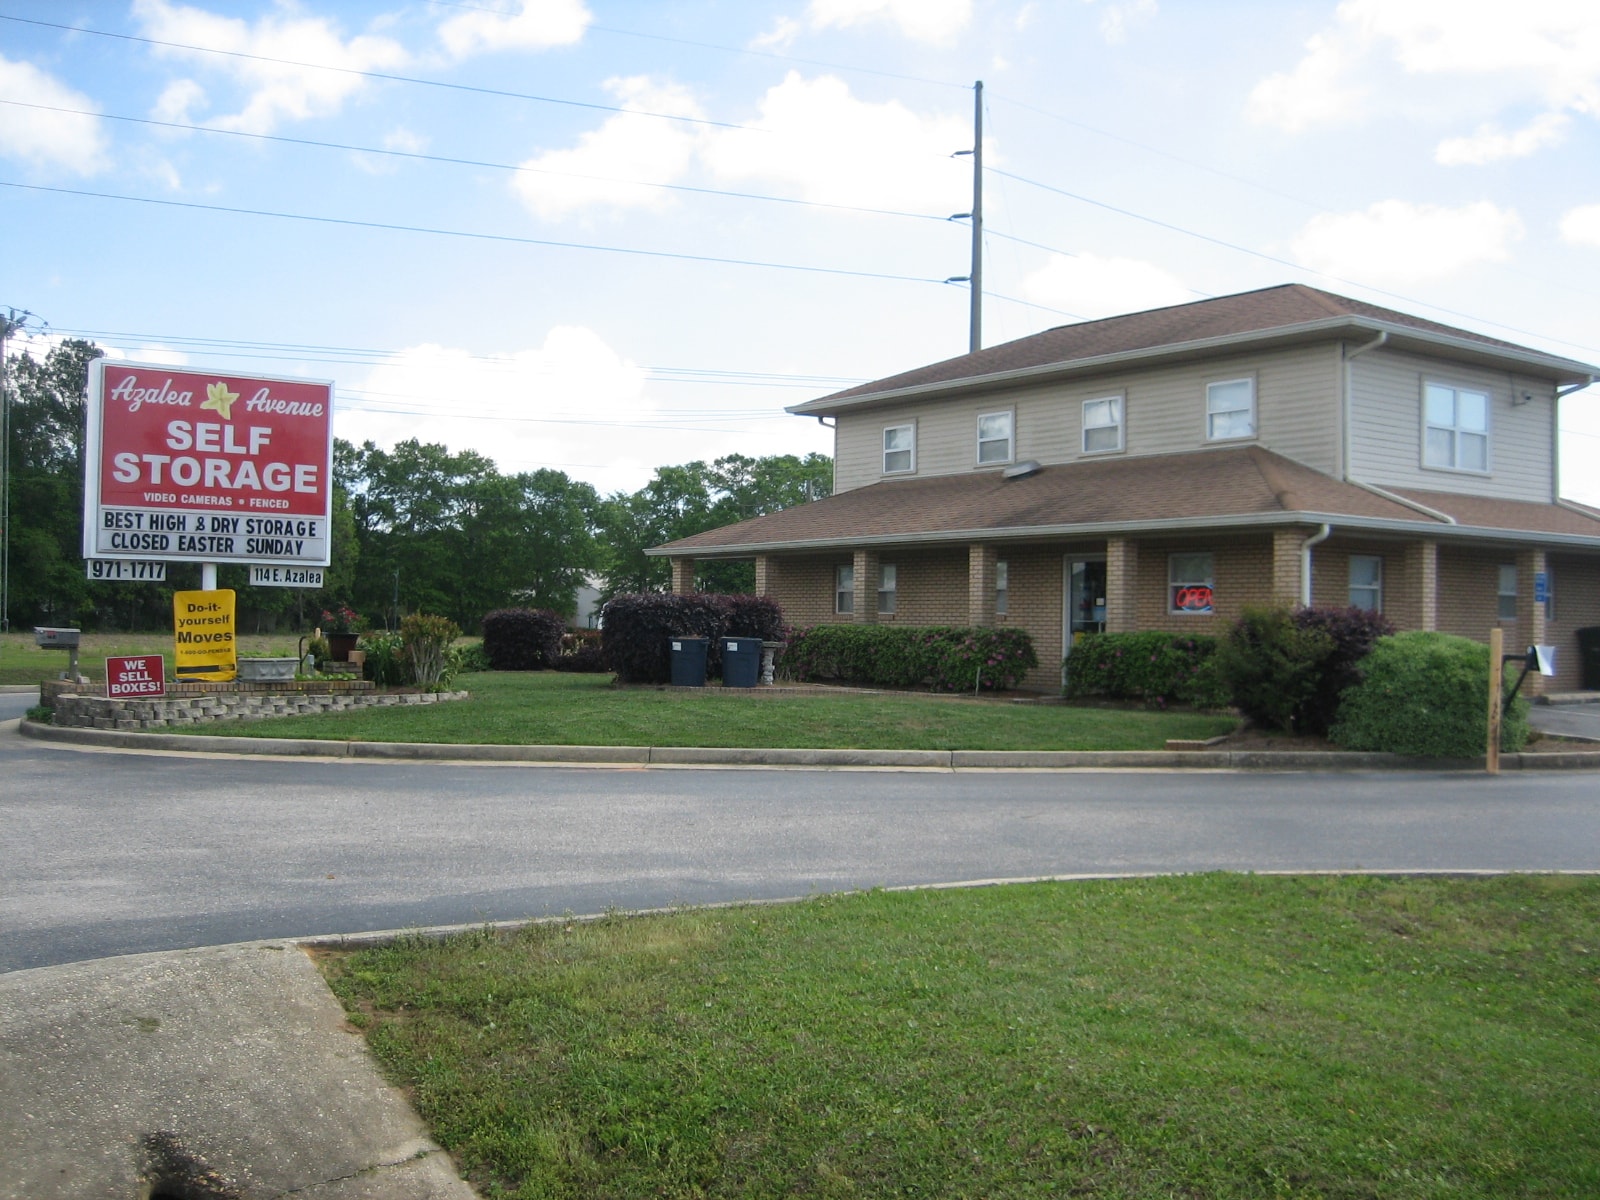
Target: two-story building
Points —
{"points": [[1162, 470]]}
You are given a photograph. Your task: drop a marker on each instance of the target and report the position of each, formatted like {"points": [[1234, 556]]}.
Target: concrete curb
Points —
{"points": [[959, 760]]}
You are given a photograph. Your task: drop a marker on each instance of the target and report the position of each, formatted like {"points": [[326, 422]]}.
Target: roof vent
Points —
{"points": [[1022, 470]]}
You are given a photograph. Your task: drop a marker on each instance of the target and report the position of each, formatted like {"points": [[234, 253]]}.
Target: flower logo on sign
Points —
{"points": [[219, 399]]}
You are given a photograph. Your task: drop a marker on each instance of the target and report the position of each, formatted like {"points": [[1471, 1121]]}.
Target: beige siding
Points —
{"points": [[1386, 429], [1297, 413]]}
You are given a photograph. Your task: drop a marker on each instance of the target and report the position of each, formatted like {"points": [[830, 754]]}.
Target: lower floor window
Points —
{"points": [[1366, 582], [1001, 587], [1508, 592], [1190, 583], [888, 579], [844, 589]]}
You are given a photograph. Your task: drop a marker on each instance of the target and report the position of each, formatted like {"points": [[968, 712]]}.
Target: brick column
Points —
{"points": [[1122, 585], [1286, 547], [683, 576], [1530, 629], [763, 574], [980, 585], [1412, 600], [866, 589]]}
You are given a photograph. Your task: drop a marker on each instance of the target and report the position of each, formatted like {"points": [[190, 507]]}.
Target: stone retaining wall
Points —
{"points": [[97, 712]]}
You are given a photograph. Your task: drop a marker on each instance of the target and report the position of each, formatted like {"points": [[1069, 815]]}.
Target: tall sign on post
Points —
{"points": [[199, 467]]}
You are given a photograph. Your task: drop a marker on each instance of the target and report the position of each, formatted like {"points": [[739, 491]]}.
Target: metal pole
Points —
{"points": [[208, 577], [1496, 673], [5, 479], [975, 342]]}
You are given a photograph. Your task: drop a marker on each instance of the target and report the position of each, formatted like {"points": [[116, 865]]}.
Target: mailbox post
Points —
{"points": [[60, 639]]}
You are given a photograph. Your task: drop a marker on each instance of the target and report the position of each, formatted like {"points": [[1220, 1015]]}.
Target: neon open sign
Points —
{"points": [[1193, 598]]}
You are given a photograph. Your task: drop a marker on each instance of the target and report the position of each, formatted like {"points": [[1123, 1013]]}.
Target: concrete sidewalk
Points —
{"points": [[225, 1073]]}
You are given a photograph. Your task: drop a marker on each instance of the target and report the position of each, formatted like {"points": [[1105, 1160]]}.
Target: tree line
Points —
{"points": [[416, 527]]}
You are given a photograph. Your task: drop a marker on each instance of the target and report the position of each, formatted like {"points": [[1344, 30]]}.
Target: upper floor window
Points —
{"points": [[1457, 428], [1001, 587], [994, 437], [1102, 425], [1191, 579], [1366, 582], [1230, 409], [888, 582], [899, 449], [844, 589]]}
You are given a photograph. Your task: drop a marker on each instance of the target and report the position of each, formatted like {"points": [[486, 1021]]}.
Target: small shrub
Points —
{"points": [[1353, 632], [1271, 666], [427, 641], [522, 639], [41, 714], [943, 658], [1426, 694], [386, 665], [317, 648], [467, 660], [1155, 668]]}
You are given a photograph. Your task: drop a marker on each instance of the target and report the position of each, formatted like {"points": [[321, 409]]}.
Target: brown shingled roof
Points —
{"points": [[1279, 308], [1239, 482], [1488, 513]]}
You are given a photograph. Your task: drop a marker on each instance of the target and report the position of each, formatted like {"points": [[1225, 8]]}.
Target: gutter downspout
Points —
{"points": [[1315, 539], [1348, 401], [1396, 498]]}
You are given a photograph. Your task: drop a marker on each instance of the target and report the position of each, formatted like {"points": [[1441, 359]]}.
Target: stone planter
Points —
{"points": [[267, 670]]}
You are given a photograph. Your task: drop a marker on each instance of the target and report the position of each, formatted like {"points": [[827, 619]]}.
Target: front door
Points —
{"points": [[1085, 609]]}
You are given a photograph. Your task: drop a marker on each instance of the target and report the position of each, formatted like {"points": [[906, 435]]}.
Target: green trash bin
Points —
{"points": [[1589, 657]]}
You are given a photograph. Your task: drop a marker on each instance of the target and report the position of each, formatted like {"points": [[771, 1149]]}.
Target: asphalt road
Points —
{"points": [[112, 853]]}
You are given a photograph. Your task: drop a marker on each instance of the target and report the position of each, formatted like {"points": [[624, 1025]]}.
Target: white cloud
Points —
{"points": [[1581, 226], [1540, 52], [1090, 286], [1396, 242], [780, 37], [521, 25], [612, 166], [828, 146], [920, 20], [65, 141], [178, 102], [1489, 144], [278, 91], [1121, 16], [571, 400]]}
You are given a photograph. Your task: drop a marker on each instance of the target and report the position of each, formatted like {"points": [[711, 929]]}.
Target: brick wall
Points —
{"points": [[931, 587], [97, 712], [1575, 588]]}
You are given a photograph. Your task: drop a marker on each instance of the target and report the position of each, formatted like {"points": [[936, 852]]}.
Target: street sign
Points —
{"points": [[199, 467], [295, 577], [142, 675], [125, 570], [202, 624]]}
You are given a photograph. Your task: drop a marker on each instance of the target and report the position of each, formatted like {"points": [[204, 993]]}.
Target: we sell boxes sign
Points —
{"points": [[184, 466]]}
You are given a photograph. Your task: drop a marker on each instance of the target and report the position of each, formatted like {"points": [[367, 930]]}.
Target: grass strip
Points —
{"points": [[547, 708], [1210, 1036]]}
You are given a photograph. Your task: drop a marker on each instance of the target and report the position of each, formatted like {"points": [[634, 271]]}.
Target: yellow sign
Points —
{"points": [[202, 625]]}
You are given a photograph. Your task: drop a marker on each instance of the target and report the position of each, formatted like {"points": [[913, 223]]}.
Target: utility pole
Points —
{"points": [[12, 323], [975, 278]]}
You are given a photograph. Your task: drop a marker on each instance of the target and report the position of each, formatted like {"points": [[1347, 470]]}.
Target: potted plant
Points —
{"points": [[342, 627]]}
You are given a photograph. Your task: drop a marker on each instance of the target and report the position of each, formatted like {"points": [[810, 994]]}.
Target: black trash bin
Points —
{"points": [[689, 661], [741, 662], [1589, 658]]}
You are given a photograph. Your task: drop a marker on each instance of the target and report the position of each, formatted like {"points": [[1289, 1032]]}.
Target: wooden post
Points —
{"points": [[1496, 672]]}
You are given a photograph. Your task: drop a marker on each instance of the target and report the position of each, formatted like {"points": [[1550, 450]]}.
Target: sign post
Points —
{"points": [[1496, 675]]}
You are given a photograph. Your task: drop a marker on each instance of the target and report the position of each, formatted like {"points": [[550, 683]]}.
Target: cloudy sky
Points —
{"points": [[606, 235]]}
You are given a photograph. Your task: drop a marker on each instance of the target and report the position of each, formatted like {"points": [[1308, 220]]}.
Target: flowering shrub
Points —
{"points": [[343, 619], [1160, 669], [942, 658]]}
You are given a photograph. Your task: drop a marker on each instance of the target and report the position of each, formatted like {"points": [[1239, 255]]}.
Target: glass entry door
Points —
{"points": [[1085, 602]]}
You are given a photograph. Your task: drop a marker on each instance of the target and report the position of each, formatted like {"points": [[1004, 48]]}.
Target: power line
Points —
{"points": [[381, 75], [469, 162], [350, 222]]}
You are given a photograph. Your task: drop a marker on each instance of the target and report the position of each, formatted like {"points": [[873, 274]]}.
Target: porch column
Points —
{"points": [[1530, 614], [1416, 592], [981, 561], [1286, 548], [683, 576], [866, 588], [763, 576], [1122, 585]]}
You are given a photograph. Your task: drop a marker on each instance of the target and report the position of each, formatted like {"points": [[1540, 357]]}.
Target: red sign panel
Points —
{"points": [[144, 675], [205, 467]]}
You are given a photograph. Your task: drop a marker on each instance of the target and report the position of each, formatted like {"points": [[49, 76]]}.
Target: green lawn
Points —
{"points": [[546, 708], [1212, 1036]]}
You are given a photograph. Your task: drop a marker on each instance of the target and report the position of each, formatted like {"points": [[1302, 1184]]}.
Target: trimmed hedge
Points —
{"points": [[522, 639], [1426, 694], [636, 629], [943, 658], [1354, 632], [1272, 666], [1154, 668], [580, 652]]}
